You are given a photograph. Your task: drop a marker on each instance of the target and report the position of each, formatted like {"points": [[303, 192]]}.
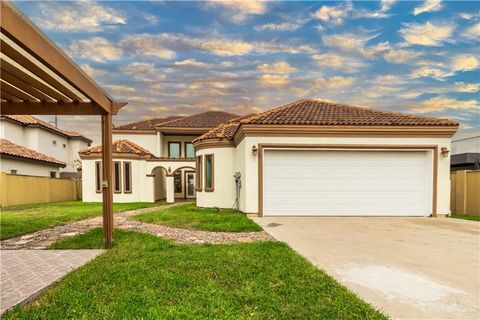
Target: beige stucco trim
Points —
{"points": [[248, 130], [126, 131], [125, 156], [213, 143]]}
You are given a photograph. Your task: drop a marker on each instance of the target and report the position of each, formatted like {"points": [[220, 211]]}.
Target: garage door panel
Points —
{"points": [[313, 182]]}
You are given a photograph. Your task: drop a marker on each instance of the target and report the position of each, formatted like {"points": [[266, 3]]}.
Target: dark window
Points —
{"points": [[54, 142], [174, 149], [189, 151], [98, 176], [198, 179], [13, 171], [117, 177], [177, 181], [127, 174], [209, 172], [64, 146], [53, 174]]}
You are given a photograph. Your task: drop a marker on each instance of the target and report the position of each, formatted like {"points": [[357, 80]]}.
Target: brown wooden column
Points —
{"points": [[107, 190]]}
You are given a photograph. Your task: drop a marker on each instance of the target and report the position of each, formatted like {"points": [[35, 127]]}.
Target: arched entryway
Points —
{"points": [[172, 185], [184, 182], [159, 183]]}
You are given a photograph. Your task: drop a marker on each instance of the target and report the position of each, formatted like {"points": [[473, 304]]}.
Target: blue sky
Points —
{"points": [[168, 58]]}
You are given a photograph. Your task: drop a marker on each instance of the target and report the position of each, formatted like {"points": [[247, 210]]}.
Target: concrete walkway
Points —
{"points": [[412, 268], [27, 273]]}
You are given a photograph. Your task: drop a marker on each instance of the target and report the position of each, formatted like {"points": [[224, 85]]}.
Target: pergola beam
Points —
{"points": [[27, 36], [6, 66], [31, 66], [50, 108], [20, 84], [17, 92]]}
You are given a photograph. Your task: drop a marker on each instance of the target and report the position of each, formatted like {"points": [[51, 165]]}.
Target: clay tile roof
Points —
{"points": [[323, 113], [119, 146], [223, 131], [209, 119], [9, 148], [146, 124], [28, 120], [317, 112]]}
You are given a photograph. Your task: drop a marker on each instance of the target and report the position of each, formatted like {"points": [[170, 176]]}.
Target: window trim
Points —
{"points": [[119, 190], [179, 148], [125, 190], [212, 187], [178, 174], [198, 173], [185, 148], [98, 176]]}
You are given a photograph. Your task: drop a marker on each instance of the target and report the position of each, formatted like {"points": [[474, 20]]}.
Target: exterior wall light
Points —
{"points": [[254, 150], [444, 151], [169, 170]]}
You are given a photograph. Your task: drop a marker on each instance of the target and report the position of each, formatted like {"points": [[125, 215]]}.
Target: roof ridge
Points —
{"points": [[194, 115], [177, 117], [267, 112]]}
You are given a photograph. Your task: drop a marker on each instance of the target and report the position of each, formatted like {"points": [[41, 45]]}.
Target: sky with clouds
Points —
{"points": [[167, 58]]}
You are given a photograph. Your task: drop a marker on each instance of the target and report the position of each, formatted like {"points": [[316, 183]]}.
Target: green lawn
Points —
{"points": [[18, 220], [190, 216], [466, 217], [146, 277]]}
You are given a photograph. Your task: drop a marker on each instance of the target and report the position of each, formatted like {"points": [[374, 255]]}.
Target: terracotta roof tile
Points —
{"points": [[322, 113], [223, 131], [317, 112], [28, 120], [9, 148], [146, 124], [209, 119], [119, 146]]}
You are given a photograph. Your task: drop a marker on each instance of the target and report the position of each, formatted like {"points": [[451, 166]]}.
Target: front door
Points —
{"points": [[190, 184]]}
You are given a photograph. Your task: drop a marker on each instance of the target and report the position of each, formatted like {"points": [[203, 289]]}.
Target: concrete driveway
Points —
{"points": [[412, 268]]}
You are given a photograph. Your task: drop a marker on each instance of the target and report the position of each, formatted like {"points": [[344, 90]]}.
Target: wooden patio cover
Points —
{"points": [[37, 78]]}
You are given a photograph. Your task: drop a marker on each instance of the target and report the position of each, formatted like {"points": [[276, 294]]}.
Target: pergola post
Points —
{"points": [[107, 191]]}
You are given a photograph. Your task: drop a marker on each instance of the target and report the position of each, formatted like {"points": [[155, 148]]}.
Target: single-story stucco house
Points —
{"points": [[316, 158], [306, 158]]}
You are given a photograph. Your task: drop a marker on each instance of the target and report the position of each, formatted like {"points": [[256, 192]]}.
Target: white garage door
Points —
{"points": [[350, 183]]}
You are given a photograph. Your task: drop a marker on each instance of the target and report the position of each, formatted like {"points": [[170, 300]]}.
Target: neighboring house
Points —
{"points": [[17, 159], [153, 159], [45, 140], [315, 158], [466, 154]]}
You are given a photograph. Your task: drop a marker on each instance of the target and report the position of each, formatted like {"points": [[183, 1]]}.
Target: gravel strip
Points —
{"points": [[44, 238]]}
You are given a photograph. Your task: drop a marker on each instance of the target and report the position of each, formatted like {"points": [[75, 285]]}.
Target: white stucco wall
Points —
{"points": [[247, 164], [12, 132], [147, 141], [41, 140], [29, 168], [73, 147], [140, 187], [224, 168]]}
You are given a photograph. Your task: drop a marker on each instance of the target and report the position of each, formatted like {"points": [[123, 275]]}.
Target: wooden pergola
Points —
{"points": [[37, 78]]}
